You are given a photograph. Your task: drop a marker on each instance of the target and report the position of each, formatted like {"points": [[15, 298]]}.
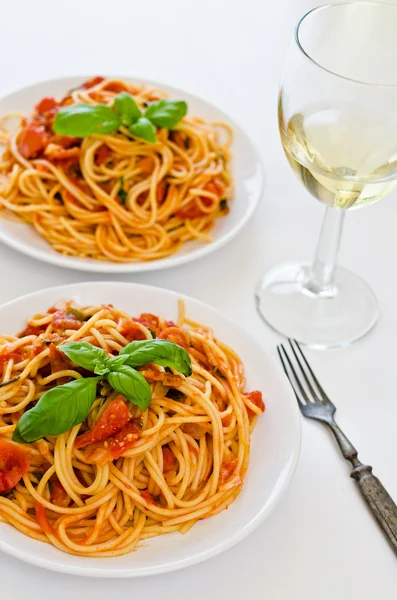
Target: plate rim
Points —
{"points": [[227, 543], [174, 260]]}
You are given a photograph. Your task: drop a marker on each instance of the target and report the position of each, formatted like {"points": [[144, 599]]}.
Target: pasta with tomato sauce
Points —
{"points": [[123, 474], [115, 196]]}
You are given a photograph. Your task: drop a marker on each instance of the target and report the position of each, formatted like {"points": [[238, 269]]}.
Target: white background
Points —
{"points": [[321, 542]]}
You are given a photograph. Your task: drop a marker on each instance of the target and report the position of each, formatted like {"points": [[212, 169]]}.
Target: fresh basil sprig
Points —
{"points": [[82, 120], [161, 352], [58, 410], [67, 405]]}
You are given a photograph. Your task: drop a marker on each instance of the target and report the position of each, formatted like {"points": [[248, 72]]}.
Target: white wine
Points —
{"points": [[342, 160]]}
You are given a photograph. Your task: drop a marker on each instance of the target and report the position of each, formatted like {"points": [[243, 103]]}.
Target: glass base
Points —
{"points": [[336, 318]]}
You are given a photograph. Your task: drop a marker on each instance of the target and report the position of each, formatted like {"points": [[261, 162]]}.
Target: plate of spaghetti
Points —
{"points": [[119, 175], [131, 418]]}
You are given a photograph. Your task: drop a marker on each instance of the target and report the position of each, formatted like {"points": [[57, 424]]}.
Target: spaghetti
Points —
{"points": [[115, 197], [181, 460]]}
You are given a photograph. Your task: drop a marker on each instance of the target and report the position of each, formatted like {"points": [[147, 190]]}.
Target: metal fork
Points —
{"points": [[315, 404]]}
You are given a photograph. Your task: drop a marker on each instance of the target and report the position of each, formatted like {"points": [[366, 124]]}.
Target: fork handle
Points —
{"points": [[380, 503]]}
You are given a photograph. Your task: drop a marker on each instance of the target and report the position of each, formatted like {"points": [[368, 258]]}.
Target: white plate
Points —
{"points": [[246, 169], [274, 451]]}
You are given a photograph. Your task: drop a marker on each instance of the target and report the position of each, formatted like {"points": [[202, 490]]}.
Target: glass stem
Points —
{"points": [[321, 274]]}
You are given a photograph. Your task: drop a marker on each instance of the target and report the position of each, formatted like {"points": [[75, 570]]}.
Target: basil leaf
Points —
{"points": [[160, 352], [115, 363], [122, 194], [57, 411], [132, 385], [126, 108], [85, 355], [101, 369], [81, 120], [144, 130], [166, 113]]}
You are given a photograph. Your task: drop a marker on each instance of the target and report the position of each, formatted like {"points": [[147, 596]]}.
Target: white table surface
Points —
{"points": [[321, 541]]}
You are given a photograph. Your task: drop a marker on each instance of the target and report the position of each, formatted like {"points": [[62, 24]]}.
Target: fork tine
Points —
{"points": [[306, 378], [301, 389], [316, 381]]}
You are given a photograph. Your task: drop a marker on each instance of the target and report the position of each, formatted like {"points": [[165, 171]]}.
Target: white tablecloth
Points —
{"points": [[320, 542]]}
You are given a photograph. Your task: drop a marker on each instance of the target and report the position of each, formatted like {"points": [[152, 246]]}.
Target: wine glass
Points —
{"points": [[338, 126]]}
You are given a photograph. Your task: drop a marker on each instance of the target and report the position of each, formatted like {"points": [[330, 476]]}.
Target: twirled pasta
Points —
{"points": [[68, 189], [187, 462]]}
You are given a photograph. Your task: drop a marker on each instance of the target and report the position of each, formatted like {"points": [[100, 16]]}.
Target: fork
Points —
{"points": [[315, 404]]}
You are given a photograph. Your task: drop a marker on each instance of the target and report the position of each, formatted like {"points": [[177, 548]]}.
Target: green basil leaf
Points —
{"points": [[132, 385], [115, 363], [85, 355], [101, 369], [122, 194], [160, 352], [126, 108], [166, 113], [143, 129], [57, 411], [82, 120]]}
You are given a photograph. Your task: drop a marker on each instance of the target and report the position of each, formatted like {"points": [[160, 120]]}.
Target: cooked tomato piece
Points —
{"points": [[67, 100], [14, 464], [192, 210], [226, 420], [58, 493], [82, 185], [38, 346], [126, 438], [256, 398], [32, 140], [176, 335], [167, 379], [116, 87], [148, 320], [91, 82], [169, 459], [113, 418], [63, 320], [178, 138], [59, 362], [227, 469], [142, 198], [161, 191], [146, 165], [41, 518], [65, 141], [7, 354], [31, 330], [148, 497], [131, 330], [216, 186], [102, 154], [45, 105]]}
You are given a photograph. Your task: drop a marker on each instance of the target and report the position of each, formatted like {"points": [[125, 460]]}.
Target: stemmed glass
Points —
{"points": [[338, 126]]}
